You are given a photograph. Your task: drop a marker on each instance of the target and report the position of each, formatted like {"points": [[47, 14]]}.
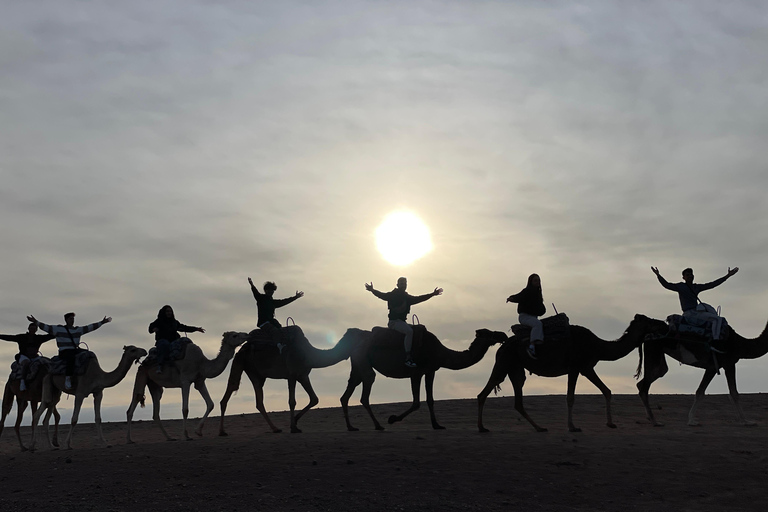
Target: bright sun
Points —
{"points": [[402, 238]]}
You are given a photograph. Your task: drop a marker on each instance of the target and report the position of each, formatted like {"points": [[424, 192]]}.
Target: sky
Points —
{"points": [[162, 152]]}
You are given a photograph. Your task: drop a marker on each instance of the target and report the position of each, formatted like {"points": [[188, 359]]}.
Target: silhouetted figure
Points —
{"points": [[68, 340], [530, 306], [688, 292], [267, 305], [29, 346], [166, 330], [399, 303]]}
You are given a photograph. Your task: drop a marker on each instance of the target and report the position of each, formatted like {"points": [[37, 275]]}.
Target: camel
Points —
{"points": [[577, 357], [698, 354], [32, 395], [193, 368], [262, 362], [382, 350], [93, 381]]}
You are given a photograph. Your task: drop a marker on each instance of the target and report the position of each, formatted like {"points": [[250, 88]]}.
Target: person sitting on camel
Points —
{"points": [[688, 293], [267, 305], [530, 306], [166, 330], [68, 340], [399, 303], [29, 346]]}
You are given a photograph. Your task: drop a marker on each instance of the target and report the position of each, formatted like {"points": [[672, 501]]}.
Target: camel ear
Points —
{"points": [[125, 347]]}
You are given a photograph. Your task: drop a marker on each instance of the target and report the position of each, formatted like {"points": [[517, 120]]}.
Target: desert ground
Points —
{"points": [[409, 466]]}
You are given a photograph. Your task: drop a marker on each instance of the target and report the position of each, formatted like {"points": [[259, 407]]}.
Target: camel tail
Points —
{"points": [[496, 389], [639, 370], [141, 399], [7, 397], [236, 372]]}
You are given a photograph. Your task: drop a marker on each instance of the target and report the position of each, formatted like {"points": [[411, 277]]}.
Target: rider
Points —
{"points": [[166, 330], [688, 292], [29, 345], [399, 303], [68, 340], [266, 304], [530, 306]]}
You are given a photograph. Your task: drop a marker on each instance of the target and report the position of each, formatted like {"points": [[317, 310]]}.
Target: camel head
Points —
{"points": [[234, 339], [493, 337], [134, 353]]}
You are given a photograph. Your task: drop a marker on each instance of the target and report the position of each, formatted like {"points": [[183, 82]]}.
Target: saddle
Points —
{"points": [[696, 329], [267, 339], [33, 367], [58, 366], [557, 328], [177, 351], [384, 336]]}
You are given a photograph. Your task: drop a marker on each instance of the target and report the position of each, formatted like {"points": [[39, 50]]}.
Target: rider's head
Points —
{"points": [[69, 318], [32, 328], [269, 288], [688, 275], [166, 312], [534, 281], [402, 283]]}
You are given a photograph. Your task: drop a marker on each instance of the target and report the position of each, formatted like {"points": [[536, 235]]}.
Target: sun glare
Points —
{"points": [[402, 238]]}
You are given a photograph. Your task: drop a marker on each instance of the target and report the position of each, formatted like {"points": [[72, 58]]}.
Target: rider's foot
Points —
{"points": [[409, 363], [68, 382], [531, 351]]}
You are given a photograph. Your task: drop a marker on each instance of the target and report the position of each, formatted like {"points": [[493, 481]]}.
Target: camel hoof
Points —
{"points": [[438, 427], [379, 427], [189, 439], [130, 442], [199, 434], [171, 439], [658, 424], [55, 443], [611, 425], [295, 430], [694, 424], [750, 424], [24, 449], [542, 429], [392, 419], [350, 428], [483, 430], [276, 430], [223, 434], [574, 429]]}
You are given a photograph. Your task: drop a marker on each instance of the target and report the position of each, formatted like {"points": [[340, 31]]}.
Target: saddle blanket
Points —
{"points": [[33, 367], [556, 328], [59, 367]]}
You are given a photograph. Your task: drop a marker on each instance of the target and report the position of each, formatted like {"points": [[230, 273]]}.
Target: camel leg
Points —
{"points": [[655, 368], [498, 374], [429, 381], [75, 415], [594, 379], [35, 420], [415, 391], [129, 416], [233, 384], [292, 404], [156, 391], [352, 383], [730, 376], [570, 399], [313, 400], [517, 376], [7, 406], [185, 408], [365, 399], [21, 406], [203, 389], [98, 396], [258, 389], [56, 419], [139, 385]]}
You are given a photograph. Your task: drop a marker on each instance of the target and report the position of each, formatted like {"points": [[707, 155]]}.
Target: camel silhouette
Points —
{"points": [[697, 353], [32, 395], [577, 356], [381, 350], [262, 361]]}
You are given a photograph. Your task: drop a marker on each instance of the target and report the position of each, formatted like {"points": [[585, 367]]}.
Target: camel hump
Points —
{"points": [[390, 337]]}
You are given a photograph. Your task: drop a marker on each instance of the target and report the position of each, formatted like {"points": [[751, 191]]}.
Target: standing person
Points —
{"points": [[68, 340], [399, 303], [29, 345], [688, 293], [267, 305], [166, 330], [530, 306]]}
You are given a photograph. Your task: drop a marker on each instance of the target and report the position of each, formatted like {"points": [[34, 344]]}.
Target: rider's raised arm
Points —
{"points": [[665, 283], [9, 337], [377, 293], [44, 327], [421, 298], [92, 327]]}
